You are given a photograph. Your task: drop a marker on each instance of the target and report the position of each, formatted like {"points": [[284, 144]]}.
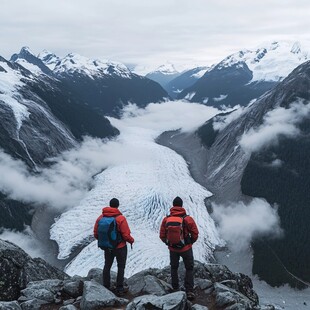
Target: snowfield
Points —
{"points": [[146, 179]]}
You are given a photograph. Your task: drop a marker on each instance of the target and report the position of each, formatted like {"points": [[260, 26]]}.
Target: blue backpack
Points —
{"points": [[108, 235]]}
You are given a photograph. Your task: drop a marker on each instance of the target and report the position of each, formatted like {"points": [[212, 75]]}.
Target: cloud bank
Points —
{"points": [[239, 223], [278, 122], [70, 177], [24, 240]]}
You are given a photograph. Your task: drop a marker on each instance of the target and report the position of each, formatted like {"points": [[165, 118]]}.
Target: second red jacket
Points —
{"points": [[190, 227]]}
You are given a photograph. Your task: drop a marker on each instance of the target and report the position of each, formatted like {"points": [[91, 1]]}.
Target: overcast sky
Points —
{"points": [[150, 31]]}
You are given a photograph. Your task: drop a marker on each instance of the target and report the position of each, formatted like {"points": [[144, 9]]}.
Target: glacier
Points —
{"points": [[145, 180]]}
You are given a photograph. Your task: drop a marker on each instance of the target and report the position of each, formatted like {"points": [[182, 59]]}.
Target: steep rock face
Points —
{"points": [[39, 119], [280, 174], [17, 269], [277, 172]]}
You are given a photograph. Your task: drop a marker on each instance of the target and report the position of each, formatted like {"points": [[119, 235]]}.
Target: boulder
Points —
{"points": [[68, 307], [173, 301], [18, 268], [9, 305], [229, 298], [203, 284], [73, 288], [142, 283], [33, 304], [96, 296], [199, 307], [96, 275]]}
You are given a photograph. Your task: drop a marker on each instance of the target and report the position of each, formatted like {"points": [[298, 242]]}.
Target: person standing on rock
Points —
{"points": [[112, 232], [179, 231]]}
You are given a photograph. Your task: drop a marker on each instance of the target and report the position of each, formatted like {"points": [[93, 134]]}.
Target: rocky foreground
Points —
{"points": [[28, 283]]}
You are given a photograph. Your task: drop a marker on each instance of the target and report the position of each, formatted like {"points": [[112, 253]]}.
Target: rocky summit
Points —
{"points": [[28, 283]]}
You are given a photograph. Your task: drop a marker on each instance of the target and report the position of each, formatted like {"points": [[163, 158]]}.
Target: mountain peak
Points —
{"points": [[167, 68], [25, 50], [271, 61], [75, 63]]}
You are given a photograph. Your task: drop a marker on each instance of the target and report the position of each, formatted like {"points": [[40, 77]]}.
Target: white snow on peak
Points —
{"points": [[74, 63], [49, 59], [166, 69], [29, 66], [270, 61], [145, 180], [220, 98], [10, 81], [200, 73], [27, 50]]}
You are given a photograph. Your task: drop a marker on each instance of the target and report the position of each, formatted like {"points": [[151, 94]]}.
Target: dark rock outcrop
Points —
{"points": [[17, 269], [216, 287]]}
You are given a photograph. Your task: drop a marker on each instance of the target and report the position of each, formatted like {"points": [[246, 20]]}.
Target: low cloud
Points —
{"points": [[239, 223], [25, 240], [70, 176], [220, 122], [278, 122]]}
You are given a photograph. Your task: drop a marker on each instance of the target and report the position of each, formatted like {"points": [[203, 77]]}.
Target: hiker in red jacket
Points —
{"points": [[179, 231], [120, 252]]}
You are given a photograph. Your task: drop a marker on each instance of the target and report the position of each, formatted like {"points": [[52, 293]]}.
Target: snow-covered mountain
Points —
{"points": [[76, 64], [39, 118], [185, 80], [263, 151], [28, 60], [245, 75], [103, 85], [49, 59], [163, 74]]}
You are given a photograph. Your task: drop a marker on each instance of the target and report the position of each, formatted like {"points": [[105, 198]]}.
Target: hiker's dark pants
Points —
{"points": [[188, 260], [121, 256]]}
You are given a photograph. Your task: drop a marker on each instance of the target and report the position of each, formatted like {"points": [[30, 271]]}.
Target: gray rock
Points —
{"points": [[147, 284], [96, 295], [203, 284], [9, 305], [173, 301], [199, 307], [68, 302], [73, 288], [18, 268], [231, 284], [225, 296], [42, 294], [68, 307], [54, 286], [96, 275], [33, 304]]}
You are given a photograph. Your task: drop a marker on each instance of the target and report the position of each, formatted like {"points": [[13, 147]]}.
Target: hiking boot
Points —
{"points": [[121, 291], [190, 295]]}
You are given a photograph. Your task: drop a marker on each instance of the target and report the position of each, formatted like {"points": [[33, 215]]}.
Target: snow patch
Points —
{"points": [[220, 98], [190, 96], [10, 81]]}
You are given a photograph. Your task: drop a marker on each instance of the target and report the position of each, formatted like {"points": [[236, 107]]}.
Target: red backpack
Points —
{"points": [[175, 231]]}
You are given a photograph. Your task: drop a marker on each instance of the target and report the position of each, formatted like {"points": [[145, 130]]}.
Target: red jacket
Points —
{"points": [[190, 227], [122, 225]]}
